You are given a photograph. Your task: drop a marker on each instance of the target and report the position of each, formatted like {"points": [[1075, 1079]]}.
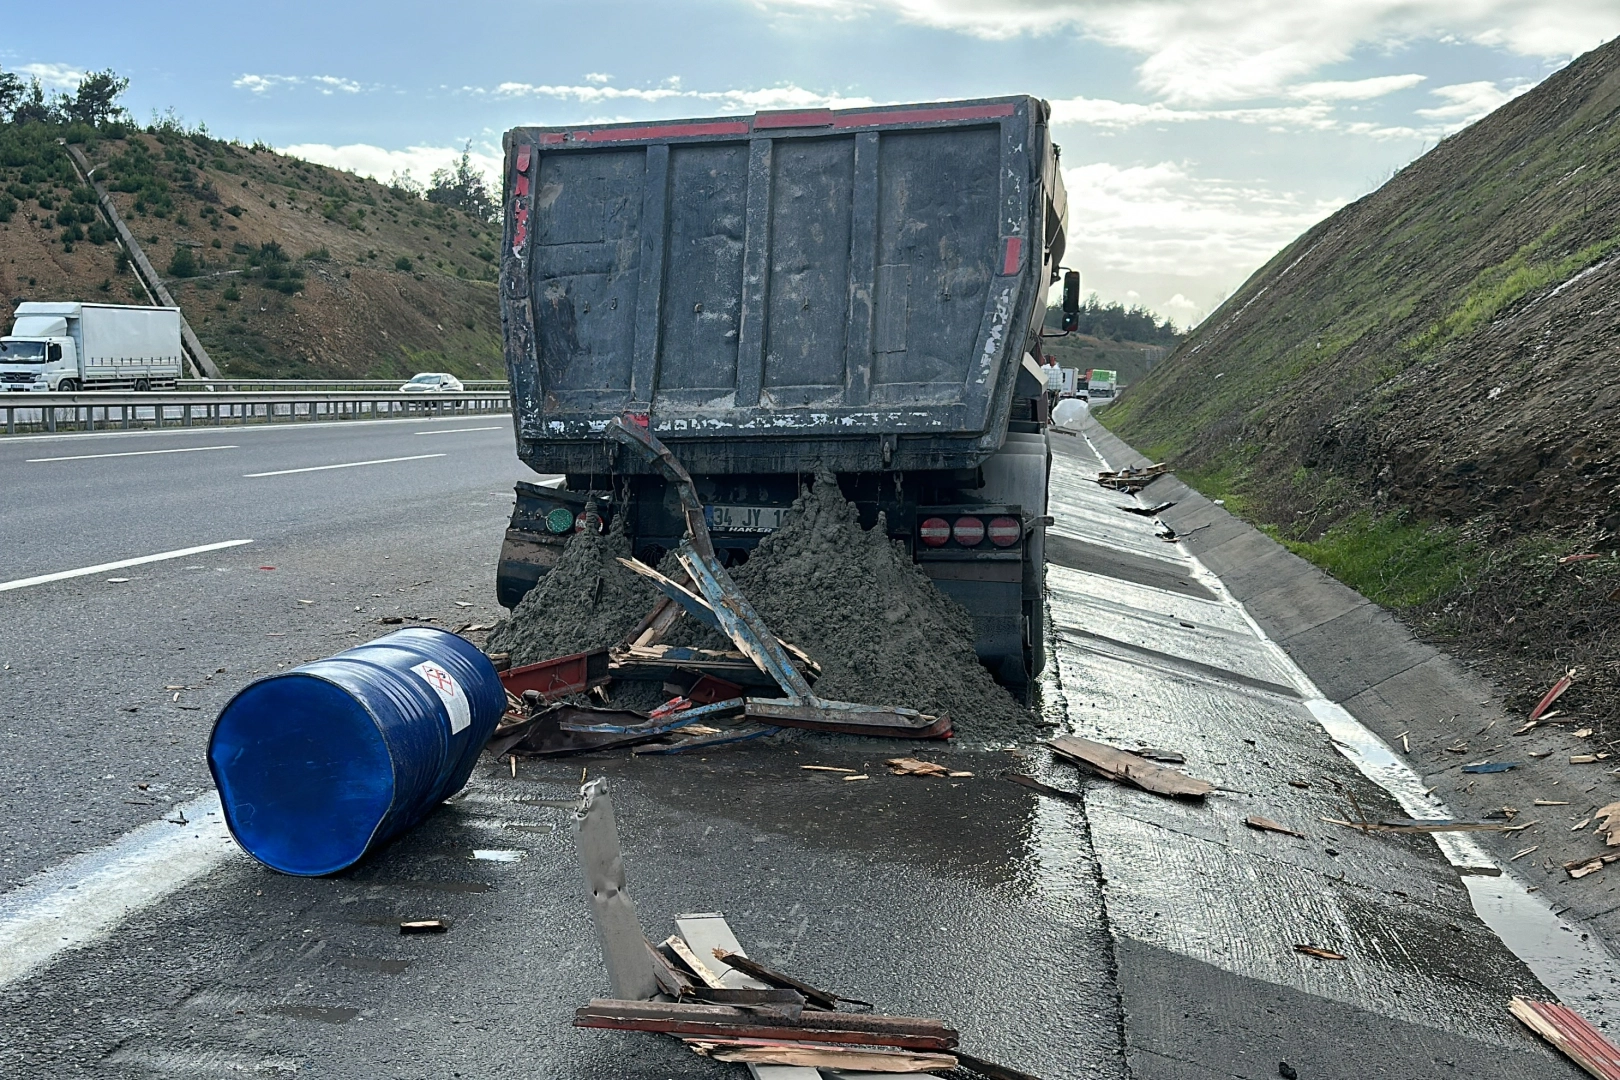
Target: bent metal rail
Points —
{"points": [[98, 410]]}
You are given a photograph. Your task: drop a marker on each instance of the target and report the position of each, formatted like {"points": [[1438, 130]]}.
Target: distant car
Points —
{"points": [[433, 382]]}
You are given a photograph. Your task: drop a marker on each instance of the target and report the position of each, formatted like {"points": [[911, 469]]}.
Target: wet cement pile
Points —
{"points": [[587, 601], [882, 632]]}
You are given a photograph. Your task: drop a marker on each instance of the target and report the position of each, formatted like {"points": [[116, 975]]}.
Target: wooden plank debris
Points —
{"points": [[825, 999], [423, 926], [1553, 695], [1608, 819], [1265, 824], [1319, 952], [907, 766], [842, 1058], [709, 934], [705, 974], [1579, 868], [1572, 1034], [1129, 768], [725, 1022]]}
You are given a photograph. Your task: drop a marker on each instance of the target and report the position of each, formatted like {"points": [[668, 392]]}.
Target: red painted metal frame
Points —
{"points": [[767, 121], [558, 678]]}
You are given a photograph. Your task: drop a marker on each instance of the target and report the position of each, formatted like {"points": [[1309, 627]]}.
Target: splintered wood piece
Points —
{"points": [[697, 967], [423, 926], [1319, 952], [1265, 824], [725, 1022], [1608, 819], [707, 931], [826, 999], [808, 1055], [908, 766], [1552, 695], [1129, 768], [1571, 1034]]}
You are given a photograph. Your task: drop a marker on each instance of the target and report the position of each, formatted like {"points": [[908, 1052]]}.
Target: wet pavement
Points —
{"points": [[1125, 935]]}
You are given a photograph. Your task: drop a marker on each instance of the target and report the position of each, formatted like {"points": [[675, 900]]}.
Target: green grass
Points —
{"points": [[1505, 284], [1391, 559]]}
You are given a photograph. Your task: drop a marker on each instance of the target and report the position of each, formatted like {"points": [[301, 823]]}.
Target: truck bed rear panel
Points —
{"points": [[850, 288]]}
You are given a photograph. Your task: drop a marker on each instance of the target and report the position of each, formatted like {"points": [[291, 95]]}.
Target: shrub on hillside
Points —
{"points": [[183, 264]]}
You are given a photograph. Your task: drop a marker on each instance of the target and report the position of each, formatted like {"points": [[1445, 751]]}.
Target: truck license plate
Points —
{"points": [[746, 518]]}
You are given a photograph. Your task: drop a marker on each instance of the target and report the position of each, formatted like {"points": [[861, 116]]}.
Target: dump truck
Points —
{"points": [[857, 292], [72, 346]]}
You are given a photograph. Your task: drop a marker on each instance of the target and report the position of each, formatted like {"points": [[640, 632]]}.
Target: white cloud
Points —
{"points": [[1355, 89], [598, 78], [329, 83], [379, 163], [324, 84], [1467, 102], [1118, 115], [1194, 238], [1201, 51], [53, 76]]}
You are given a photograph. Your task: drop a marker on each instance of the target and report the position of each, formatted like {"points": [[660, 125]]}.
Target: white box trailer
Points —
{"points": [[70, 346]]}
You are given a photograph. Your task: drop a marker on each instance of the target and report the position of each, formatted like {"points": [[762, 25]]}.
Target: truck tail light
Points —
{"points": [[969, 531], [1005, 531], [934, 531]]}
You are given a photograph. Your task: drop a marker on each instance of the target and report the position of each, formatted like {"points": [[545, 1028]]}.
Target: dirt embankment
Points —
{"points": [[1420, 393], [283, 268]]}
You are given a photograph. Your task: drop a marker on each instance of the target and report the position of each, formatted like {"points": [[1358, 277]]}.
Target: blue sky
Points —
{"points": [[1198, 136]]}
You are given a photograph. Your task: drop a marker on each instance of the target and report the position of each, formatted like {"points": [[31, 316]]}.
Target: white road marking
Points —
{"points": [[81, 901], [458, 430], [345, 465], [101, 568], [130, 453]]}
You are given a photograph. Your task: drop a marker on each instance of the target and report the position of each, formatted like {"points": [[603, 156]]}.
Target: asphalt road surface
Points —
{"points": [[1120, 935]]}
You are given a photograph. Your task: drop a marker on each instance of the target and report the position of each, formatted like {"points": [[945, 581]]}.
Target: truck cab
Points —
{"points": [[38, 363]]}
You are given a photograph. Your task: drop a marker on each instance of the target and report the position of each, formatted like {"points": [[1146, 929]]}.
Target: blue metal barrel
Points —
{"points": [[319, 764]]}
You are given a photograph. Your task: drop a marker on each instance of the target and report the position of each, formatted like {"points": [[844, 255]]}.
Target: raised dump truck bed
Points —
{"points": [[854, 287]]}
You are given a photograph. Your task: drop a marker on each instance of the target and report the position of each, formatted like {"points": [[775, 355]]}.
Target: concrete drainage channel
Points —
{"points": [[1566, 957]]}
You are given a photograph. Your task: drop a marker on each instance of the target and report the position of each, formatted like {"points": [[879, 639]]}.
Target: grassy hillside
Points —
{"points": [[1422, 393], [284, 268]]}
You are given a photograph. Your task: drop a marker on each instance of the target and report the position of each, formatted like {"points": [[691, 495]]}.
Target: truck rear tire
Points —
{"points": [[142, 386]]}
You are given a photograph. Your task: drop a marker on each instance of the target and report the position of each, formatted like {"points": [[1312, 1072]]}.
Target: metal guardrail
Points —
{"points": [[321, 384], [100, 410]]}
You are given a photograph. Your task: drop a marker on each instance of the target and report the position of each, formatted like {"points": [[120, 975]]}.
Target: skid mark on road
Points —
{"points": [[79, 902]]}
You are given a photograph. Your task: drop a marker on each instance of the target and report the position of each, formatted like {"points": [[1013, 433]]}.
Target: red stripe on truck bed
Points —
{"points": [[922, 116], [794, 118], [649, 131]]}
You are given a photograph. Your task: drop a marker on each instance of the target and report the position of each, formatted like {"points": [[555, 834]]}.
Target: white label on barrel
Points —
{"points": [[444, 684]]}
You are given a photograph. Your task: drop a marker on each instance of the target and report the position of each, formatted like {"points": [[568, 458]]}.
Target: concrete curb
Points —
{"points": [[1361, 657]]}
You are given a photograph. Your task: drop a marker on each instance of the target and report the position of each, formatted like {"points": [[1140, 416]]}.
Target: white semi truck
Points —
{"points": [[67, 346]]}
